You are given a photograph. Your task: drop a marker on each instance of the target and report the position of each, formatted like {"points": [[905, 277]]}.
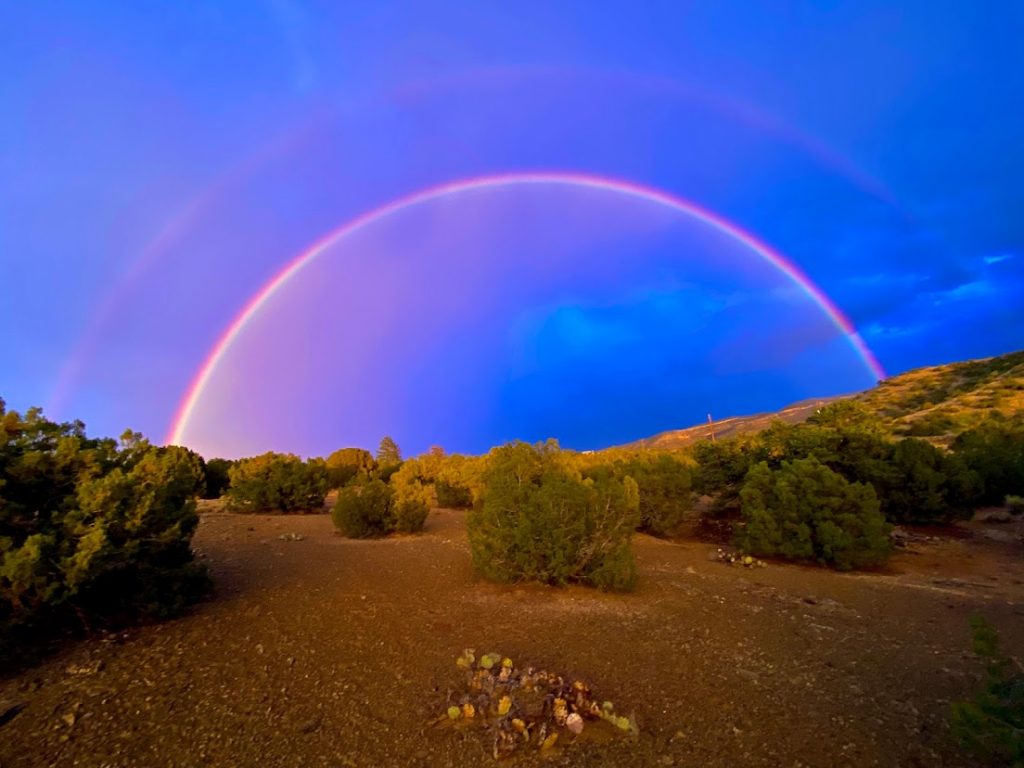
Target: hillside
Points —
{"points": [[733, 426], [937, 402], [944, 400]]}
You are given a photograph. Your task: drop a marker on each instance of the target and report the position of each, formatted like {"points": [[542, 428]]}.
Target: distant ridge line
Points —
{"points": [[731, 426]]}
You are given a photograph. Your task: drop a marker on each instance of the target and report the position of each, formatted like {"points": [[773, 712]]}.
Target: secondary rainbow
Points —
{"points": [[462, 186]]}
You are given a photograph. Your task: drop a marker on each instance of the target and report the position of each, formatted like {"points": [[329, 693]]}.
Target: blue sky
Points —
{"points": [[160, 162]]}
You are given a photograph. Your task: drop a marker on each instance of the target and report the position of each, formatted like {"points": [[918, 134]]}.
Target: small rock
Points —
{"points": [[69, 719], [84, 669], [748, 673]]}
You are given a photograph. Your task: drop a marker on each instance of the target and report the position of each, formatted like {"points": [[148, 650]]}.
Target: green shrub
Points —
{"points": [[277, 482], [1015, 504], [216, 473], [92, 533], [345, 463], [410, 515], [370, 506], [664, 485], [365, 509], [995, 452], [805, 511], [453, 496], [538, 520], [919, 485], [664, 488], [991, 726], [414, 496], [915, 482]]}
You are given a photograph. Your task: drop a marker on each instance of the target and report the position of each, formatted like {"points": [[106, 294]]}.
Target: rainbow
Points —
{"points": [[295, 265]]}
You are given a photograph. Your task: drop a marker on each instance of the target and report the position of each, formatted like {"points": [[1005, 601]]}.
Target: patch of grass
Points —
{"points": [[991, 725]]}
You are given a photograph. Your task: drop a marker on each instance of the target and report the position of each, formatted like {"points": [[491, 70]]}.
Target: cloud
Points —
{"points": [[997, 258], [982, 315]]}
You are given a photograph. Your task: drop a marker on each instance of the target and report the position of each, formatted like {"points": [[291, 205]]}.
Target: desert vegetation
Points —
{"points": [[277, 482], [991, 724], [805, 511], [844, 445], [936, 403], [540, 520], [93, 532], [97, 533]]}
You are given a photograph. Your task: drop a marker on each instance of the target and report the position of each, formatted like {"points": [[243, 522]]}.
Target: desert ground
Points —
{"points": [[322, 651]]}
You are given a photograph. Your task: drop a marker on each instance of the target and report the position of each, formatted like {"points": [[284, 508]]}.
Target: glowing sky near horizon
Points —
{"points": [[159, 164]]}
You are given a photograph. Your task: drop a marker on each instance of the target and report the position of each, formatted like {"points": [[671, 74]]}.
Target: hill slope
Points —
{"points": [[938, 402], [944, 400], [733, 426]]}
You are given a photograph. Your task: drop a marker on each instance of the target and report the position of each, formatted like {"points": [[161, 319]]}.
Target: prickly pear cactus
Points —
{"points": [[528, 709]]}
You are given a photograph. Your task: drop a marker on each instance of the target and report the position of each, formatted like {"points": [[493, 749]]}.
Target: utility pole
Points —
{"points": [[712, 425]]}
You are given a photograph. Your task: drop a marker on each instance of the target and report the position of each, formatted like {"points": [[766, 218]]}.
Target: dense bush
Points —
{"points": [[663, 482], [457, 479], [994, 451], [664, 489], [216, 474], [721, 468], [414, 497], [991, 726], [539, 520], [453, 496], [344, 464], [915, 482], [91, 532], [805, 511], [922, 484], [453, 477], [277, 482], [365, 509], [411, 513]]}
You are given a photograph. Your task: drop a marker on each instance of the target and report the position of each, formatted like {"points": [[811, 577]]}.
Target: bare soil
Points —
{"points": [[330, 652]]}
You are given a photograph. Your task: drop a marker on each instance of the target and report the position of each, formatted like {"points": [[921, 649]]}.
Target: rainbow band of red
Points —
{"points": [[295, 265]]}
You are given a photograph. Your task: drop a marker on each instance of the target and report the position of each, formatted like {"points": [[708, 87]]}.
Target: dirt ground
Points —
{"points": [[330, 652]]}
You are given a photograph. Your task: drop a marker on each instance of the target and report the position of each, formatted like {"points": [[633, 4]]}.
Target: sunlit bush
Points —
{"points": [[538, 520], [365, 509], [92, 532], [345, 463], [414, 497], [277, 482]]}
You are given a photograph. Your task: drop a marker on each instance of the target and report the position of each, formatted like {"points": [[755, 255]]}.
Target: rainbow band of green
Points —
{"points": [[295, 265]]}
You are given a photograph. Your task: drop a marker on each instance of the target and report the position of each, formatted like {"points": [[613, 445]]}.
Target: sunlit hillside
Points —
{"points": [[936, 402], [944, 400]]}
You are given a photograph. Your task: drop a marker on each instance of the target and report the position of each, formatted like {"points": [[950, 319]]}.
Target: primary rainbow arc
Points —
{"points": [[631, 189]]}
